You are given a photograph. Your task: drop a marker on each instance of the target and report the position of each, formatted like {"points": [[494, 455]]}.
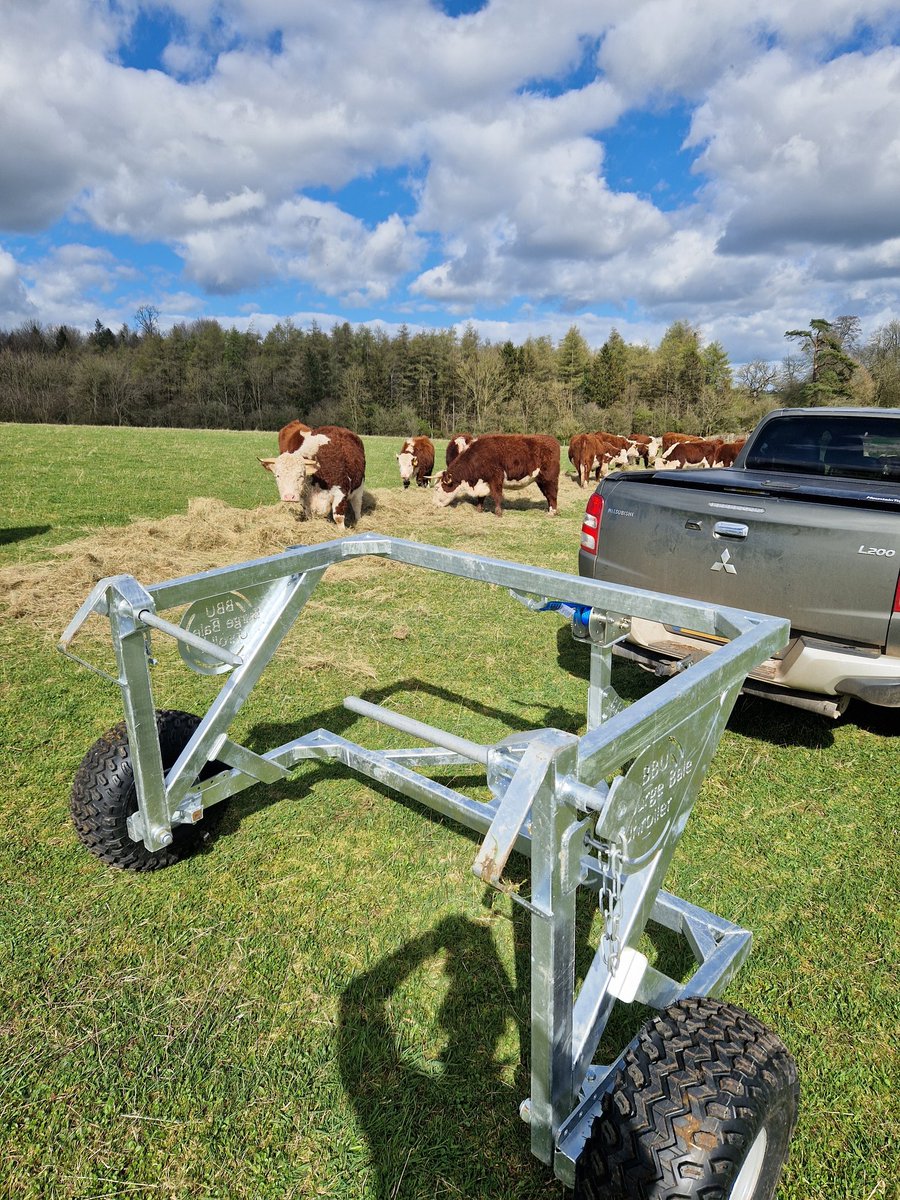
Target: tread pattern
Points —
{"points": [[689, 1099], [104, 796]]}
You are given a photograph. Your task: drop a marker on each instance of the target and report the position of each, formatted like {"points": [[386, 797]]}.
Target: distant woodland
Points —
{"points": [[438, 382]]}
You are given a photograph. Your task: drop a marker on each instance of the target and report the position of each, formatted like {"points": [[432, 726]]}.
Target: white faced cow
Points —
{"points": [[323, 475], [416, 461], [496, 461]]}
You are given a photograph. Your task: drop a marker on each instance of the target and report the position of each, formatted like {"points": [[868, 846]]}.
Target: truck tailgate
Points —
{"points": [[829, 568]]}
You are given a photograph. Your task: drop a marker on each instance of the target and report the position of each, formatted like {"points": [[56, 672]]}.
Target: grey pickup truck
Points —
{"points": [[805, 525]]}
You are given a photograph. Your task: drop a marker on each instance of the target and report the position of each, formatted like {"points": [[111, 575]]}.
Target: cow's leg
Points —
{"points": [[356, 501], [497, 497], [339, 508], [549, 490]]}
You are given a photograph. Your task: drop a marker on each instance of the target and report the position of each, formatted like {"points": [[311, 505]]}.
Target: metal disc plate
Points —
{"points": [[227, 620]]}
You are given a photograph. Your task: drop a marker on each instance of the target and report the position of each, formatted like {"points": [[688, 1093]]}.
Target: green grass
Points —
{"points": [[327, 1003]]}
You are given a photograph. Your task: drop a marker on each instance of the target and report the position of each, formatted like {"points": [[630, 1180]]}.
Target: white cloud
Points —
{"points": [[340, 254], [200, 211], [74, 282], [799, 153], [805, 156], [15, 307]]}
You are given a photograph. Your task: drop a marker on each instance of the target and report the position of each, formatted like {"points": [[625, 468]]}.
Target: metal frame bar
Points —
{"points": [[551, 797]]}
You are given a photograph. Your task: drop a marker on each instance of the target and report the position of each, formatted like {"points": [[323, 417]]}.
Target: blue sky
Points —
{"points": [[517, 165]]}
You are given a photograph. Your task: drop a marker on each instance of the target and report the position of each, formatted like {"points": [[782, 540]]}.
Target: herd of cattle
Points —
{"points": [[323, 470]]}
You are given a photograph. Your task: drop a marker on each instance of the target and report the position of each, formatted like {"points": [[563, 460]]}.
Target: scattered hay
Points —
{"points": [[213, 534], [210, 534]]}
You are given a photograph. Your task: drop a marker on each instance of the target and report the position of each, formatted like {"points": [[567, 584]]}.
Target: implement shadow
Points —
{"points": [[339, 720], [22, 533], [449, 1124]]}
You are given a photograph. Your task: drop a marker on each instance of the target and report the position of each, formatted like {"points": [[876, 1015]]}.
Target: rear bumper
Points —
{"points": [[809, 673]]}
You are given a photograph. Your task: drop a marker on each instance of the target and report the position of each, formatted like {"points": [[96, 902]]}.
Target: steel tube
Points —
{"points": [[191, 639], [428, 733]]}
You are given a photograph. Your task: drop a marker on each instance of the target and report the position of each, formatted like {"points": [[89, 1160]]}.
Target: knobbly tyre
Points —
{"points": [[703, 1102]]}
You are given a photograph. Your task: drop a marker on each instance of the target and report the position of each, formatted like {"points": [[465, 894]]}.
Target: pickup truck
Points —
{"points": [[805, 525]]}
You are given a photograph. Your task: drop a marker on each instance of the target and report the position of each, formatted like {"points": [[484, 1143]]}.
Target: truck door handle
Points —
{"points": [[730, 529]]}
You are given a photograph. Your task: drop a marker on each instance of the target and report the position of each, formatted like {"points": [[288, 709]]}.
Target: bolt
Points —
{"points": [[525, 1110]]}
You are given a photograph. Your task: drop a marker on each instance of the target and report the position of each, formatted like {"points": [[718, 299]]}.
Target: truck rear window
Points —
{"points": [[853, 447]]}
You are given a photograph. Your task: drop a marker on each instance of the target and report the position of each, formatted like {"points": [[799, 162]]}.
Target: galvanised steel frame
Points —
{"points": [[603, 811]]}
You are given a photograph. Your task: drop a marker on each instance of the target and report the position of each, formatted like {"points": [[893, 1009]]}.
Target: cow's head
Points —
{"points": [[292, 472], [445, 486], [408, 462]]}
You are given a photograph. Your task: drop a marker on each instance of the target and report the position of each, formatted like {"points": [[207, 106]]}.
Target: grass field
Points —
{"points": [[327, 1003]]}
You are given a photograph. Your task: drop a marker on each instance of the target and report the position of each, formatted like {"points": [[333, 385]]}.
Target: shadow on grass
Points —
{"points": [[449, 1122], [873, 719], [446, 1124], [22, 533], [266, 736], [752, 716]]}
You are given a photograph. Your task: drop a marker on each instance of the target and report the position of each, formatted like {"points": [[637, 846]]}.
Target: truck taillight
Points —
{"points": [[590, 526], [896, 595]]}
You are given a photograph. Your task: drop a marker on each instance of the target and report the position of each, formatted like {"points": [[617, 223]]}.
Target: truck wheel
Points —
{"points": [[703, 1108], [104, 796]]}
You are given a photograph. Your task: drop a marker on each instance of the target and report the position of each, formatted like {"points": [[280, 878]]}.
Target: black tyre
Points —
{"points": [[104, 797], [703, 1108]]}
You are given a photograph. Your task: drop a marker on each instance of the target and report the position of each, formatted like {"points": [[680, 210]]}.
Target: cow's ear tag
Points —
{"points": [[229, 620]]}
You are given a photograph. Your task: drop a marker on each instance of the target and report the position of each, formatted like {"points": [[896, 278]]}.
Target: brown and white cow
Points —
{"points": [[643, 447], [696, 453], [728, 452], [416, 461], [591, 452], [290, 436], [324, 475], [457, 444], [596, 452], [501, 460], [668, 440], [576, 442]]}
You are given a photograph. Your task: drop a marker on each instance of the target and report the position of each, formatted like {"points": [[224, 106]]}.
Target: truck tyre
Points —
{"points": [[104, 796], [703, 1108]]}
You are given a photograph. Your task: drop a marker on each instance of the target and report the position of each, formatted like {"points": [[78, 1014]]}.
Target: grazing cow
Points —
{"points": [[323, 475], [696, 453], [728, 452], [668, 440], [416, 460], [593, 453], [457, 444], [290, 437], [499, 460], [614, 439], [644, 447]]}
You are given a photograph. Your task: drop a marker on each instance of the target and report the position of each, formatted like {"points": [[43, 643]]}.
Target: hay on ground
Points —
{"points": [[210, 534]]}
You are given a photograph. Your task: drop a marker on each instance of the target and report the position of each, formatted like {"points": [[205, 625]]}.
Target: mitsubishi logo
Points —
{"points": [[724, 563]]}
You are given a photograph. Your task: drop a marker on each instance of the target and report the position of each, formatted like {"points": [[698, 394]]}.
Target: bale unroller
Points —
{"points": [[703, 1101]]}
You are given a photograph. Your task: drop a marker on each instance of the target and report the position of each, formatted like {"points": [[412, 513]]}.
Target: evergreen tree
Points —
{"points": [[831, 368]]}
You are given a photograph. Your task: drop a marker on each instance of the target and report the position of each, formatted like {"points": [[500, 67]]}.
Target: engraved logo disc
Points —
{"points": [[227, 621]]}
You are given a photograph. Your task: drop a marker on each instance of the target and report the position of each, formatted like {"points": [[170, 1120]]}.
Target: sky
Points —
{"points": [[521, 165]]}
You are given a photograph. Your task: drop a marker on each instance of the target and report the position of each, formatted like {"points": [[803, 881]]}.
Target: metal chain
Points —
{"points": [[610, 903]]}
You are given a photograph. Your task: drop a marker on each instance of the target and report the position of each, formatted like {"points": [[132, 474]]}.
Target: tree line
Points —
{"points": [[200, 374]]}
